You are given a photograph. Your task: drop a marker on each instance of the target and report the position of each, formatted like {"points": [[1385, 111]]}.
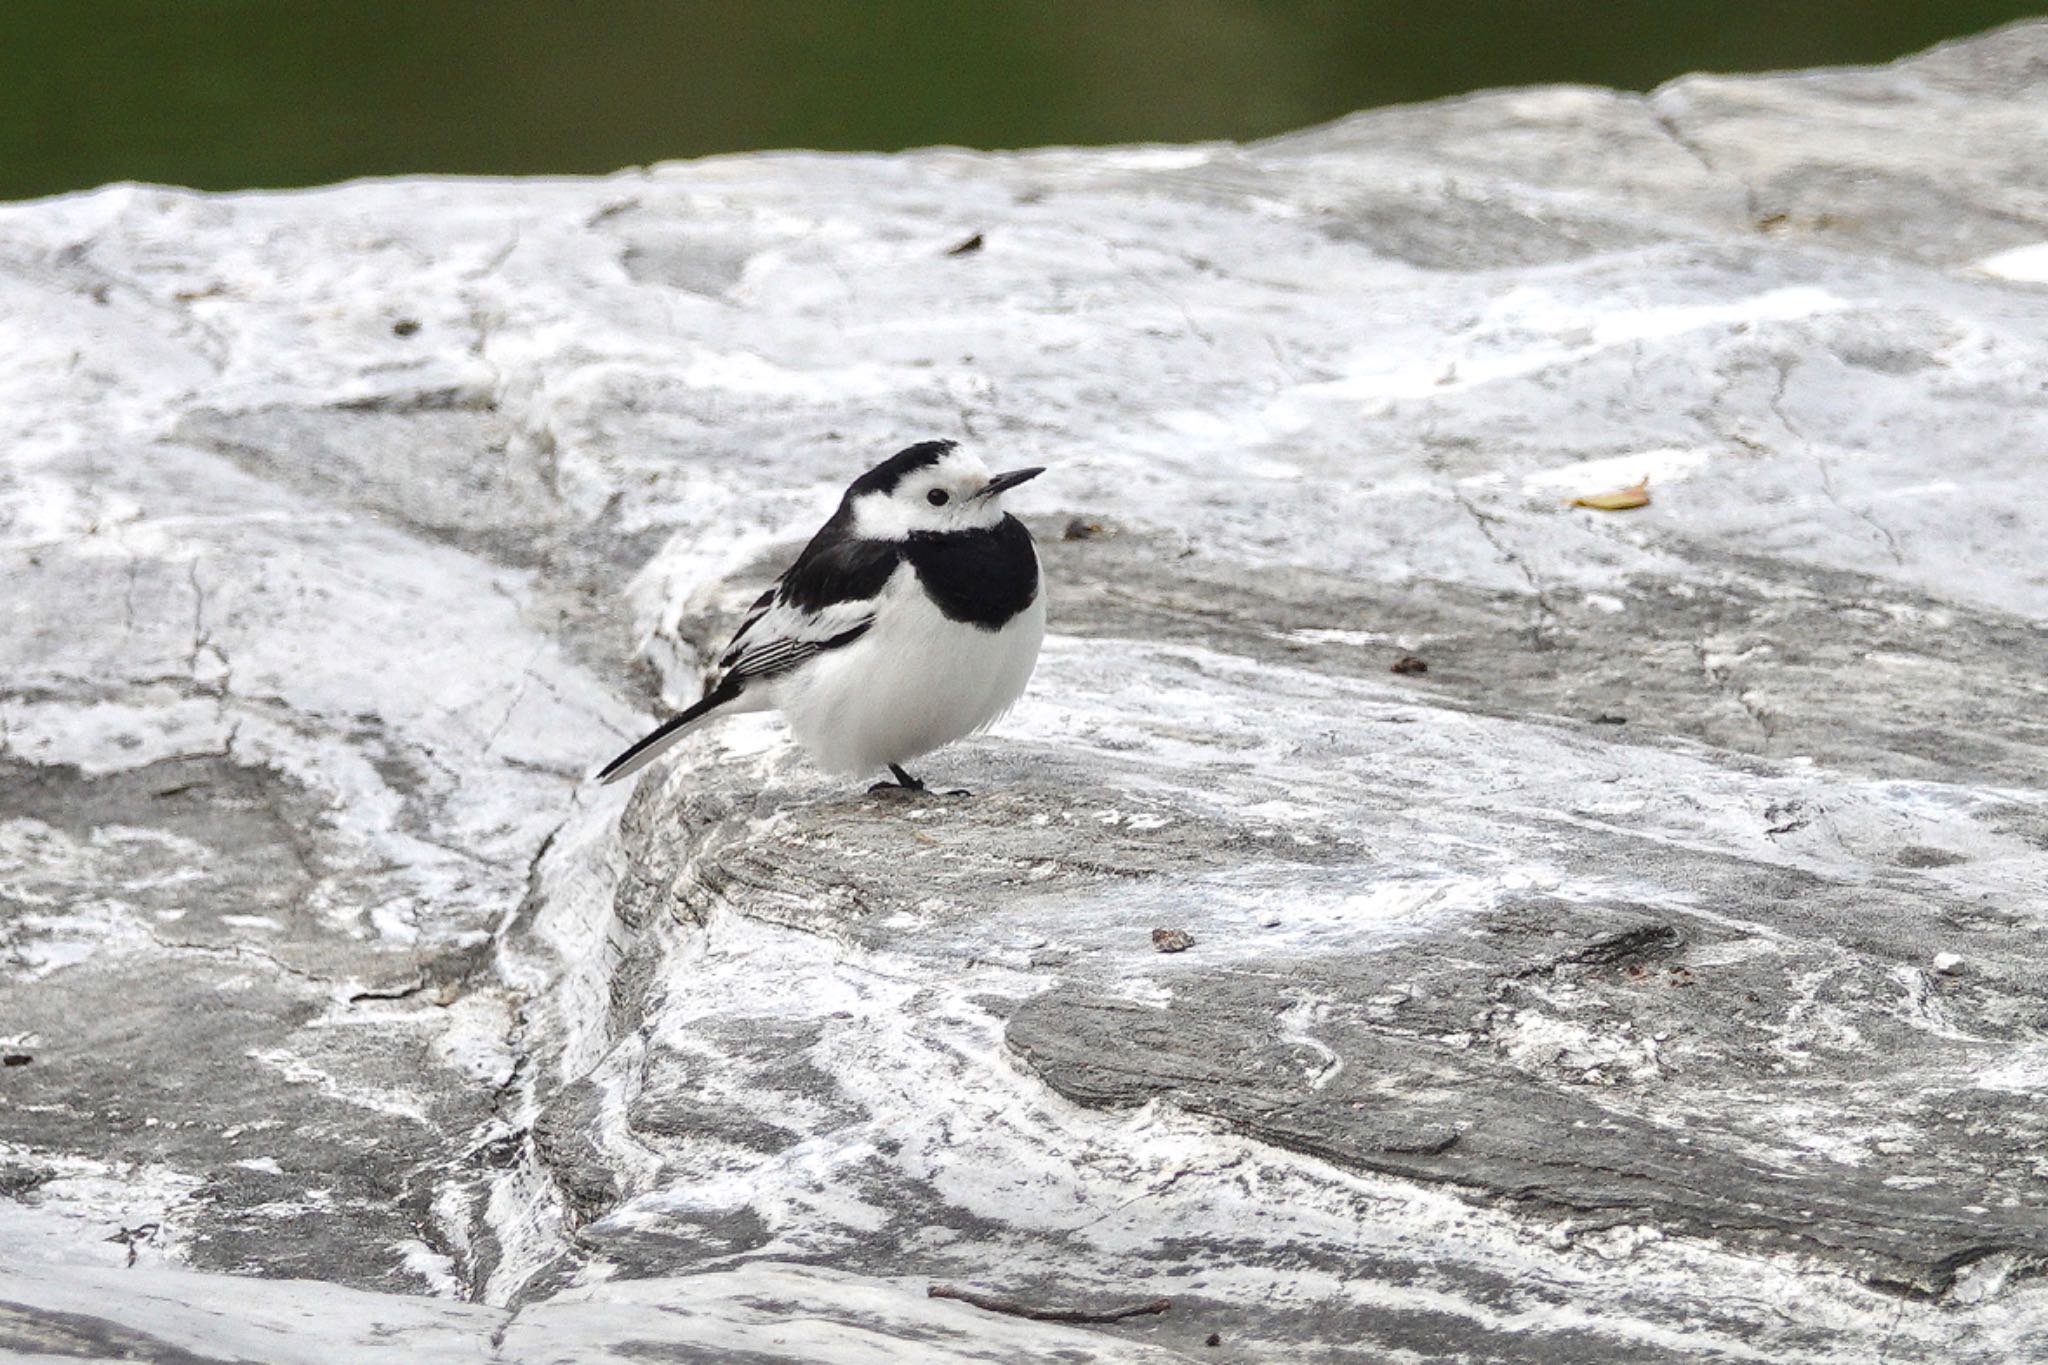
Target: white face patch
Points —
{"points": [[936, 499]]}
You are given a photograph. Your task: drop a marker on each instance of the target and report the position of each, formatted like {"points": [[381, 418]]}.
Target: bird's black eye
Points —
{"points": [[937, 497]]}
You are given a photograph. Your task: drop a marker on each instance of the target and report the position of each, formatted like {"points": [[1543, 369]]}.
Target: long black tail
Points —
{"points": [[647, 750]]}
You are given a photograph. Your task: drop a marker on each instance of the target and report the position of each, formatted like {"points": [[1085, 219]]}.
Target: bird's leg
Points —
{"points": [[908, 785], [904, 783]]}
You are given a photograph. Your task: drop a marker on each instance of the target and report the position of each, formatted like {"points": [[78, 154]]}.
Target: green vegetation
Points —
{"points": [[238, 93]]}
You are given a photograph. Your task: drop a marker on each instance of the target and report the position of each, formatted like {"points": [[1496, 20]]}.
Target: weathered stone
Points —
{"points": [[1653, 976]]}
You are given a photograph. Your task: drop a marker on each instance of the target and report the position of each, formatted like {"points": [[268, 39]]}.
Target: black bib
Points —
{"points": [[983, 578]]}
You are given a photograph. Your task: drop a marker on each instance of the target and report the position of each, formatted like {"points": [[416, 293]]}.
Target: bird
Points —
{"points": [[913, 618]]}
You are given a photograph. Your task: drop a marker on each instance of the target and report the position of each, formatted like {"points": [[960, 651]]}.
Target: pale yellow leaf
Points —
{"points": [[1620, 500]]}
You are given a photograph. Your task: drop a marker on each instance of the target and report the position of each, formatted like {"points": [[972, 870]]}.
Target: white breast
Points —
{"points": [[917, 680]]}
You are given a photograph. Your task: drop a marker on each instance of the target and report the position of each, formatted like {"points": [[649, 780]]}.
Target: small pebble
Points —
{"points": [[1215, 1339], [1408, 663], [1948, 964], [1172, 940], [1080, 528]]}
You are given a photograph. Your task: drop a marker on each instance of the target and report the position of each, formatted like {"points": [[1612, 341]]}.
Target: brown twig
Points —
{"points": [[1024, 1310]]}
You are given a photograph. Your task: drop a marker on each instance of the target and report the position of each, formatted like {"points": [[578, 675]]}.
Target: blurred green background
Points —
{"points": [[237, 93]]}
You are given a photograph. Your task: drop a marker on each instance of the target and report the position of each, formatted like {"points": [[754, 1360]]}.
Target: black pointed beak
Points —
{"points": [[1002, 483]]}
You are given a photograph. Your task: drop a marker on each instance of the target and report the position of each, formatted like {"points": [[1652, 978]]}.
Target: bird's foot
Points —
{"points": [[906, 785]]}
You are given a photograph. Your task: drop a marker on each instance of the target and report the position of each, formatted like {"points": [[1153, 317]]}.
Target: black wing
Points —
{"points": [[824, 601]]}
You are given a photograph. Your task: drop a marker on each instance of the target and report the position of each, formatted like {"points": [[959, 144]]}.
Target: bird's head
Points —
{"points": [[932, 488]]}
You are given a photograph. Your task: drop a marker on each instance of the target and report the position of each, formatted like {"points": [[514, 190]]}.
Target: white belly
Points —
{"points": [[914, 682]]}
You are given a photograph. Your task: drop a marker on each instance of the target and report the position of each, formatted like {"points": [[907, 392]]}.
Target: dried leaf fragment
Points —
{"points": [[1621, 500], [1172, 940]]}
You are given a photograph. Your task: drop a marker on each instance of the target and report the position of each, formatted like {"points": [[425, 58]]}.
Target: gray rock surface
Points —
{"points": [[1655, 977]]}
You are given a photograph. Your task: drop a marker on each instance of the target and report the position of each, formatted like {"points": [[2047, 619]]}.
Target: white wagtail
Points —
{"points": [[912, 619]]}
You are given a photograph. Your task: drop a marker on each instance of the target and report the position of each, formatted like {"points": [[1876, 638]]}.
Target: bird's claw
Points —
{"points": [[904, 789], [906, 785]]}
